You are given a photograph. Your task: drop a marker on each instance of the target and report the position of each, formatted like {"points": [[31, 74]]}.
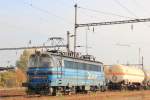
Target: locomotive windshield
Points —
{"points": [[45, 61], [33, 61], [40, 61]]}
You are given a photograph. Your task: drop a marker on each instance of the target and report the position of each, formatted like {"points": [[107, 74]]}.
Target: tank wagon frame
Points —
{"points": [[121, 77]]}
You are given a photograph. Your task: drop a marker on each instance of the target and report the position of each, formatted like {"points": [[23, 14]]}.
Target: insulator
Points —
{"points": [[93, 29], [132, 27]]}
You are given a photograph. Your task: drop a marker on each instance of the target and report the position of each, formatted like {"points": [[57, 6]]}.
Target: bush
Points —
{"points": [[8, 79], [12, 78]]}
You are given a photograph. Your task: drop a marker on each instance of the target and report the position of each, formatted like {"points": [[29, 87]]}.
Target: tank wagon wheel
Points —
{"points": [[123, 88], [140, 87], [148, 85], [133, 87], [130, 87], [145, 87]]}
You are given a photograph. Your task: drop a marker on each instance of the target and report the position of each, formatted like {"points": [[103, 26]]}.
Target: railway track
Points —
{"points": [[9, 92], [109, 95]]}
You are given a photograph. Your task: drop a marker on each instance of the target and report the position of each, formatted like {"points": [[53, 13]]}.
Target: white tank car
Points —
{"points": [[147, 78], [127, 74]]}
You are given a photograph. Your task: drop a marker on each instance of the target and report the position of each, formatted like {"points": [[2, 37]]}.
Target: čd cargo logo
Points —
{"points": [[92, 76]]}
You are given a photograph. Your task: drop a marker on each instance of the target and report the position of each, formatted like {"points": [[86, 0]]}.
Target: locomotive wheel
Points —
{"points": [[30, 92], [54, 91], [57, 91], [102, 89], [67, 90], [50, 91], [73, 90]]}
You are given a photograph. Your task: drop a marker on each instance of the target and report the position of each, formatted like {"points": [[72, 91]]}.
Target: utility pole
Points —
{"points": [[86, 47], [142, 63], [75, 28], [139, 56], [68, 41]]}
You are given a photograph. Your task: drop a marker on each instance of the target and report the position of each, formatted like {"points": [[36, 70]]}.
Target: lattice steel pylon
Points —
{"points": [[113, 22], [56, 42]]}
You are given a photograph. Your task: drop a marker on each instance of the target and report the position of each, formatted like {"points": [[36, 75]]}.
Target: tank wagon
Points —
{"points": [[54, 72], [146, 81], [126, 77]]}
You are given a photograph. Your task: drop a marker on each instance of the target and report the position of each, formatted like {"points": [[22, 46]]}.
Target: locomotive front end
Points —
{"points": [[39, 73]]}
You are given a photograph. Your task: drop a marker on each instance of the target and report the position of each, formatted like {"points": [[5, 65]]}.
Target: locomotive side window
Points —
{"points": [[87, 67], [94, 68], [68, 64], [82, 66]]}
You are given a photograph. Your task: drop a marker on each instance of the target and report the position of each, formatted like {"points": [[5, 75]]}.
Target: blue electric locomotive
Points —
{"points": [[54, 72]]}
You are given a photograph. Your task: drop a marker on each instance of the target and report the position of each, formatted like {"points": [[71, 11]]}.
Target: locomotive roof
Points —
{"points": [[77, 58], [67, 56]]}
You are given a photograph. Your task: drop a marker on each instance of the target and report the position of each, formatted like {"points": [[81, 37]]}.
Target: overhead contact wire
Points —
{"points": [[106, 13], [47, 12]]}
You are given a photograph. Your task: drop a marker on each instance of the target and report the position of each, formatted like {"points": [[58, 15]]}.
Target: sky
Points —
{"points": [[38, 20]]}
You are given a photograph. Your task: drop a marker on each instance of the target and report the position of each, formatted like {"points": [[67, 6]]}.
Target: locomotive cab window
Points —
{"points": [[45, 61], [33, 61], [40, 61], [99, 68]]}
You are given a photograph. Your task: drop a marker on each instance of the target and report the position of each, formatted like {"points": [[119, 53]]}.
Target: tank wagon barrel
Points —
{"points": [[126, 77]]}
